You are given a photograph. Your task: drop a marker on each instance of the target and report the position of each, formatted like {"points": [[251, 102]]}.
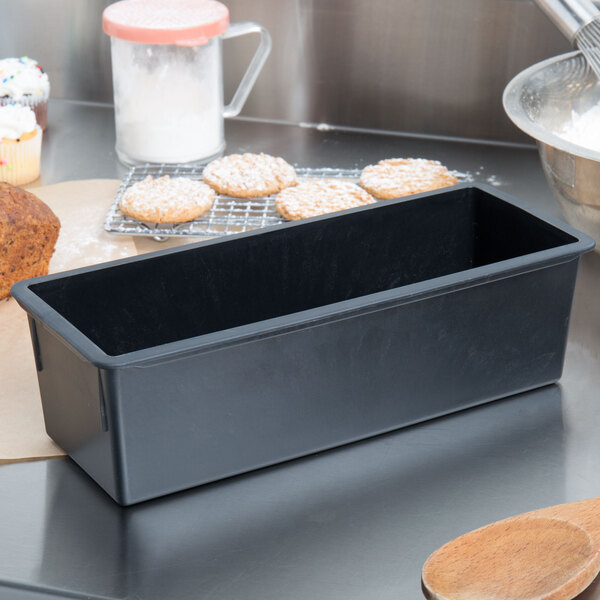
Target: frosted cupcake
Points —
{"points": [[20, 145], [23, 81]]}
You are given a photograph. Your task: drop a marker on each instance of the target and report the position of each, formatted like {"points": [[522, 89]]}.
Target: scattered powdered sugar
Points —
{"points": [[583, 129], [478, 175], [463, 177], [493, 180], [74, 250], [317, 126]]}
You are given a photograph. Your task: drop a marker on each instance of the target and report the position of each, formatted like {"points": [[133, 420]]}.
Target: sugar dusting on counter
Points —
{"points": [[583, 129], [477, 176]]}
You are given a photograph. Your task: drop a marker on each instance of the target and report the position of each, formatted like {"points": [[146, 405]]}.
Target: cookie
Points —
{"points": [[249, 175], [398, 177], [319, 197], [166, 200]]}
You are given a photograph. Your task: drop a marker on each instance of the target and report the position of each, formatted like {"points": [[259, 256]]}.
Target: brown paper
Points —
{"points": [[81, 207]]}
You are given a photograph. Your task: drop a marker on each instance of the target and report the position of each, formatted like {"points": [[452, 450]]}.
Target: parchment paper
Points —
{"points": [[81, 207]]}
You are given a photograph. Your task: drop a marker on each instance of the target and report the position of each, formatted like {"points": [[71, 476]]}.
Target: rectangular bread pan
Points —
{"points": [[188, 365]]}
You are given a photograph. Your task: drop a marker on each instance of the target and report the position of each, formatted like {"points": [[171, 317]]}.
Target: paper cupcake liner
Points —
{"points": [[20, 160], [38, 103]]}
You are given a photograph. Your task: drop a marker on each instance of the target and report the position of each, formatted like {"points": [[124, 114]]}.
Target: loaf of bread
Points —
{"points": [[28, 234]]}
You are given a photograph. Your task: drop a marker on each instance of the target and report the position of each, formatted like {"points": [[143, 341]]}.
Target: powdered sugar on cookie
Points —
{"points": [[397, 177], [249, 175], [166, 200], [319, 197]]}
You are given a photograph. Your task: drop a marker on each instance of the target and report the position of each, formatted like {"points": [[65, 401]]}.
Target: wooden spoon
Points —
{"points": [[547, 554]]}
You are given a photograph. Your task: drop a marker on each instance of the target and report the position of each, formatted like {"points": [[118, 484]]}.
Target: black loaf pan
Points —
{"points": [[188, 365]]}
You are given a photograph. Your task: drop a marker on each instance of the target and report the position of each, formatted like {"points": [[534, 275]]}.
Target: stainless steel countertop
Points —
{"points": [[352, 523]]}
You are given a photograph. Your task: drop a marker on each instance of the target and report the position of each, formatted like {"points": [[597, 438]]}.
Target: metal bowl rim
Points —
{"points": [[514, 110]]}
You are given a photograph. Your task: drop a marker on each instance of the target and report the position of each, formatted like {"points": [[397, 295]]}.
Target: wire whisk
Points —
{"points": [[579, 21]]}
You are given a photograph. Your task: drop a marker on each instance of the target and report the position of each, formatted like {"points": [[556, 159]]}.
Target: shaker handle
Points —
{"points": [[254, 68]]}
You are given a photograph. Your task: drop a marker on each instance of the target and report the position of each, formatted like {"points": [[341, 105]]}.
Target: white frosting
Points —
{"points": [[22, 76], [15, 120]]}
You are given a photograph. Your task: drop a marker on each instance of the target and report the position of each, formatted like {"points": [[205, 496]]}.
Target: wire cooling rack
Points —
{"points": [[227, 216]]}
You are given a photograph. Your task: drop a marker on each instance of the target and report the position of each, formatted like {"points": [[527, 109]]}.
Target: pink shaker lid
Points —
{"points": [[180, 22]]}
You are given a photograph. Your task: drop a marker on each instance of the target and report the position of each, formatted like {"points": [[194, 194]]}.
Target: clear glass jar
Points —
{"points": [[168, 84]]}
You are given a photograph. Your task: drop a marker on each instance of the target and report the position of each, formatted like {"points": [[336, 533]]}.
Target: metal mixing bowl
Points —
{"points": [[540, 101]]}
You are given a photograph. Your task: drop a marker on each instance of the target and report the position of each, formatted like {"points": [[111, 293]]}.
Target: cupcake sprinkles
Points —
{"points": [[23, 81]]}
